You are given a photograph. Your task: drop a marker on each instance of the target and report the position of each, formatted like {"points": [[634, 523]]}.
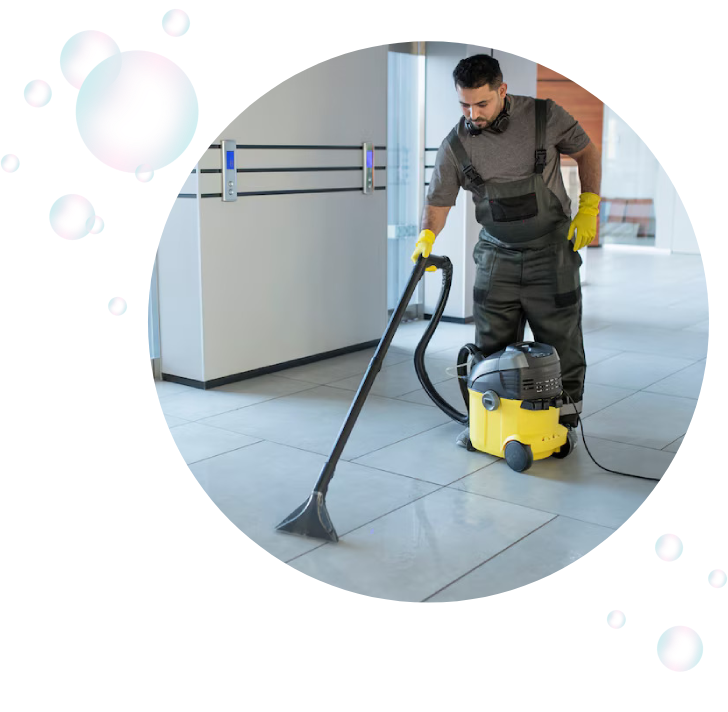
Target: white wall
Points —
{"points": [[283, 277], [180, 303]]}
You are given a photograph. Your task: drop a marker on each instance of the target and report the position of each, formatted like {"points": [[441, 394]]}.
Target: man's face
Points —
{"points": [[481, 105]]}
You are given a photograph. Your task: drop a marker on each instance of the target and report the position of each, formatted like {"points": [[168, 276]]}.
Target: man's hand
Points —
{"points": [[424, 247], [584, 223]]}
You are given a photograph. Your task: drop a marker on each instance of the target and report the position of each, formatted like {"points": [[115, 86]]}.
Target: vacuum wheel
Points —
{"points": [[568, 447], [519, 457]]}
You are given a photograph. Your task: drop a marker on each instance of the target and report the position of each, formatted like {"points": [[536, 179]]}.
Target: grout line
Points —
{"points": [[482, 563], [226, 452]]}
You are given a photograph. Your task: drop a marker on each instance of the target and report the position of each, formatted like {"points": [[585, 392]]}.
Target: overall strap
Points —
{"points": [[471, 175], [540, 136]]}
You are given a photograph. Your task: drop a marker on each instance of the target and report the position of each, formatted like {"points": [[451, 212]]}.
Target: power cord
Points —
{"points": [[580, 423]]}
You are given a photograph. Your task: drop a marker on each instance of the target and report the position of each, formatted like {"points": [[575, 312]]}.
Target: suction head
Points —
{"points": [[310, 519]]}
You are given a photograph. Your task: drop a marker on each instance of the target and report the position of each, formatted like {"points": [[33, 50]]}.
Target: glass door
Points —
{"points": [[405, 168]]}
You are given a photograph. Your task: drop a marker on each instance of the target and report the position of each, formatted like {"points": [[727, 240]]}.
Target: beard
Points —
{"points": [[485, 123]]}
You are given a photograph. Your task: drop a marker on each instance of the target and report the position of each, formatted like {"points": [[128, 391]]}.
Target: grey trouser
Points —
{"points": [[540, 286]]}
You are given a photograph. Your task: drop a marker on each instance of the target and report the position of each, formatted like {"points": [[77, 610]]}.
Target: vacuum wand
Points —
{"points": [[311, 518]]}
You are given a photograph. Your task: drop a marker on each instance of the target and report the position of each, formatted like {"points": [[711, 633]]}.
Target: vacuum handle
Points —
{"points": [[437, 261]]}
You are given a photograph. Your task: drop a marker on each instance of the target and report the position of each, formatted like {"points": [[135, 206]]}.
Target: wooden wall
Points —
{"points": [[583, 106]]}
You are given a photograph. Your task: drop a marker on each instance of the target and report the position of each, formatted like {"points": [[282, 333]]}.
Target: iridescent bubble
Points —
{"points": [[144, 173], [83, 52], [669, 547], [176, 23], [72, 216], [10, 163], [99, 226], [680, 648], [616, 619], [136, 108], [37, 93], [117, 306], [717, 578]]}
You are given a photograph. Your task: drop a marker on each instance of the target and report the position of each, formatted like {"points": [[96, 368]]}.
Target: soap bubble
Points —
{"points": [[717, 578], [176, 23], [616, 619], [144, 173], [83, 52], [71, 215], [680, 648], [95, 225], [37, 93], [117, 306], [668, 547], [10, 163]]}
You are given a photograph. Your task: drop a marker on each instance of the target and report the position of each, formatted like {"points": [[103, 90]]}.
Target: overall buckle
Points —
{"points": [[473, 176], [540, 159]]}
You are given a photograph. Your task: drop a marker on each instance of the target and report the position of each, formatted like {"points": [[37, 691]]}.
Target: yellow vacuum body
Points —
{"points": [[491, 431], [514, 405]]}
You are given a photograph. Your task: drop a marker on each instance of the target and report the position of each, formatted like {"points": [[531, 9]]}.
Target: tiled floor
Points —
{"points": [[421, 519]]}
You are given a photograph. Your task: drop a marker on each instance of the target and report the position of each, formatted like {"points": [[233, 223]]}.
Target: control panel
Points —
{"points": [[368, 165], [229, 171]]}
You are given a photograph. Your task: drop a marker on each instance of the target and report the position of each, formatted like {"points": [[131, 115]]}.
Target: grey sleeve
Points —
{"points": [[446, 180], [564, 131]]}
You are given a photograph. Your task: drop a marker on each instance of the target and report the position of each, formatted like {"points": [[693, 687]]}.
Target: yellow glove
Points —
{"points": [[424, 247], [585, 221]]}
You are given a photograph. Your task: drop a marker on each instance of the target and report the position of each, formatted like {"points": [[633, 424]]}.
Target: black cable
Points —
{"points": [[580, 423]]}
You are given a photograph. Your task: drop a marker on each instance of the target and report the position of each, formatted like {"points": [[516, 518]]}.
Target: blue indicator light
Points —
{"points": [[230, 160], [370, 159]]}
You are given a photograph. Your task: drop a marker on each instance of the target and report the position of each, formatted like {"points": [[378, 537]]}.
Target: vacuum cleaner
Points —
{"points": [[513, 397], [512, 400]]}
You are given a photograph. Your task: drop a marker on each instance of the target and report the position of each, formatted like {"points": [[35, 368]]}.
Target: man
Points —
{"points": [[506, 152]]}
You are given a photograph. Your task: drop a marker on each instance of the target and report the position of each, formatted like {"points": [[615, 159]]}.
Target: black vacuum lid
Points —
{"points": [[521, 356]]}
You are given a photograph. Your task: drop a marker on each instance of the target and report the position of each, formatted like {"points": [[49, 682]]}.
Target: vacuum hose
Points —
{"points": [[445, 265]]}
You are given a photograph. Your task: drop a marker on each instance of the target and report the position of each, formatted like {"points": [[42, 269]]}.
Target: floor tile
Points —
{"points": [[701, 326], [190, 404], [646, 419], [173, 421], [634, 370], [662, 342], [545, 551], [594, 354], [198, 442], [573, 486], [165, 389], [597, 397], [685, 383], [398, 379], [432, 456], [675, 446], [449, 390], [633, 460], [311, 420], [260, 485], [420, 548]]}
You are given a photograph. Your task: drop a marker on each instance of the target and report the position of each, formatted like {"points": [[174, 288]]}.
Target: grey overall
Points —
{"points": [[526, 269]]}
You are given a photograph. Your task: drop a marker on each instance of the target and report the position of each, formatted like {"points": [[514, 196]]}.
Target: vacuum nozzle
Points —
{"points": [[310, 519]]}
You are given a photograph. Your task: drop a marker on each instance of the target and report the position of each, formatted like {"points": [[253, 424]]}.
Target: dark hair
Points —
{"points": [[478, 70]]}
